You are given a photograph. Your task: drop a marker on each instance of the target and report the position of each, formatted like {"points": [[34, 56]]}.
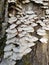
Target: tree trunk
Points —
{"points": [[2, 27], [40, 52]]}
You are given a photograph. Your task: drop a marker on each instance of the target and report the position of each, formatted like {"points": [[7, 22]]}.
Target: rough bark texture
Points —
{"points": [[2, 27], [40, 52], [1, 20]]}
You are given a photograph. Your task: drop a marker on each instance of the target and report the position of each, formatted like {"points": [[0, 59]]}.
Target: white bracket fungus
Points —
{"points": [[11, 1], [20, 32], [47, 11], [41, 32], [44, 40]]}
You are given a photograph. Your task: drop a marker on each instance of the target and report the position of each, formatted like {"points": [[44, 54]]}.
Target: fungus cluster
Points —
{"points": [[20, 32]]}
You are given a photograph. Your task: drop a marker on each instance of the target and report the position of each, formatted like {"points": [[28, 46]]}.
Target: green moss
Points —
{"points": [[26, 60]]}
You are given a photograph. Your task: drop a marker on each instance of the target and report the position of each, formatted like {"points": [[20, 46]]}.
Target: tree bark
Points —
{"points": [[2, 27]]}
